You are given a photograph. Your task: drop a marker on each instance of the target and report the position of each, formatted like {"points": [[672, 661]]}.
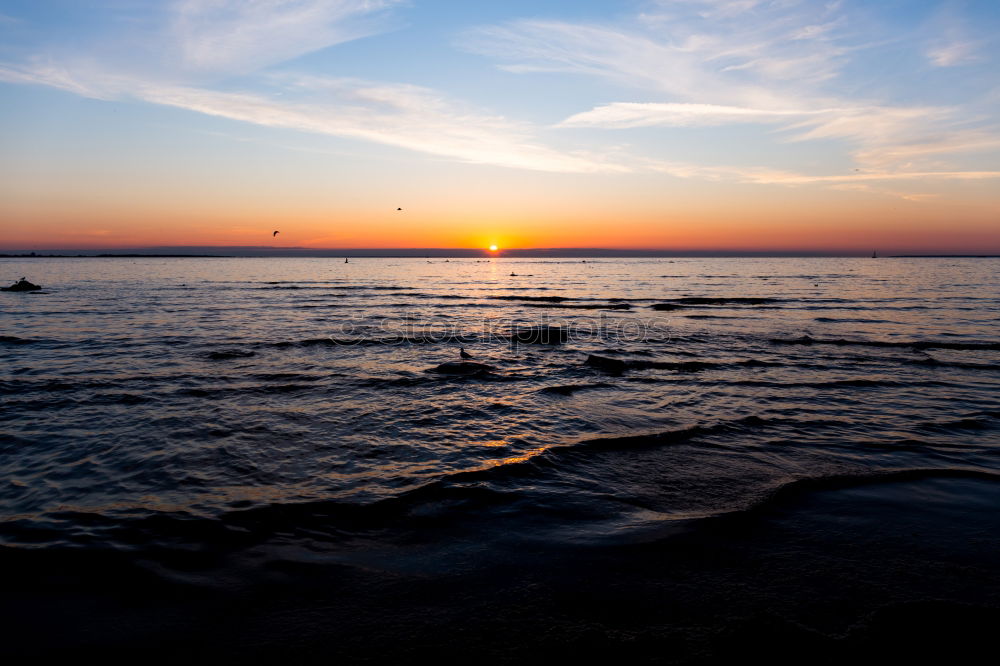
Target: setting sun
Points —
{"points": [[493, 248]]}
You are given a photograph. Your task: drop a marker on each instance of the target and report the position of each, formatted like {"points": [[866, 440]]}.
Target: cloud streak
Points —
{"points": [[245, 35], [624, 115], [743, 62], [406, 116], [223, 38]]}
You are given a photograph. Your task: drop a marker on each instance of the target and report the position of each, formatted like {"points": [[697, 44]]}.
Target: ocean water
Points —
{"points": [[277, 410]]}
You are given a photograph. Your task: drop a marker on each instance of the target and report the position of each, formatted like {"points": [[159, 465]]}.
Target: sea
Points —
{"points": [[679, 454]]}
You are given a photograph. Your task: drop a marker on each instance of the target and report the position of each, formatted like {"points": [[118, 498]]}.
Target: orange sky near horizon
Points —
{"points": [[781, 219]]}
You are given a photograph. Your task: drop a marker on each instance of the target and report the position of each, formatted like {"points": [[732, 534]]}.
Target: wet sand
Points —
{"points": [[896, 567]]}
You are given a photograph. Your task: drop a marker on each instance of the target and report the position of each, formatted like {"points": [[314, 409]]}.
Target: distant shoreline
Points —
{"points": [[113, 256], [473, 254]]}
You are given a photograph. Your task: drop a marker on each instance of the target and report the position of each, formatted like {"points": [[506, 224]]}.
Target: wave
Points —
{"points": [[791, 491], [570, 389], [225, 391], [286, 376], [678, 303], [985, 421], [724, 300], [913, 344], [18, 408], [850, 320], [546, 299], [332, 285], [707, 316], [837, 383], [385, 340], [21, 386], [14, 340], [615, 365], [229, 354], [581, 306], [964, 365]]}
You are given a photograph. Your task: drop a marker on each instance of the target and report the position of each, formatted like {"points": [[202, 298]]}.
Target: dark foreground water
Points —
{"points": [[256, 458]]}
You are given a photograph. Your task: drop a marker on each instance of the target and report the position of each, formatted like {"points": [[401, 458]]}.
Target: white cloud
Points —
{"points": [[768, 176], [760, 55], [881, 191], [244, 35], [719, 62], [400, 115], [226, 37], [953, 54], [778, 178], [621, 115], [40, 71]]}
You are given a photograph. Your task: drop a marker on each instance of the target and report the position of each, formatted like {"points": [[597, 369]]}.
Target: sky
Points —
{"points": [[834, 126]]}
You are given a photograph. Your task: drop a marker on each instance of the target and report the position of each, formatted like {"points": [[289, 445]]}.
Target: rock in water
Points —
{"points": [[462, 368], [21, 285], [542, 335]]}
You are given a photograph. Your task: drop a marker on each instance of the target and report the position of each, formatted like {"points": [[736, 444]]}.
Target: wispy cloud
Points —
{"points": [[954, 42], [402, 115], [406, 116], [721, 62], [39, 71], [743, 53], [768, 176], [244, 35], [953, 54], [230, 37], [714, 9], [620, 115], [882, 191]]}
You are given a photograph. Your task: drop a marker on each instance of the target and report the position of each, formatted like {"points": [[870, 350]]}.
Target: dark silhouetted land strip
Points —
{"points": [[119, 256]]}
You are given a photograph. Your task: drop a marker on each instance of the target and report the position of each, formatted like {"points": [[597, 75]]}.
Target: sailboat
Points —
{"points": [[874, 254]]}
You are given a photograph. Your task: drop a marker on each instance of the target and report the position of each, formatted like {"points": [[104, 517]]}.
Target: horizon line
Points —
{"points": [[445, 252]]}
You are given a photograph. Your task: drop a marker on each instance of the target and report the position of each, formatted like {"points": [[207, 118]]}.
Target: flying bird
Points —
{"points": [[273, 234]]}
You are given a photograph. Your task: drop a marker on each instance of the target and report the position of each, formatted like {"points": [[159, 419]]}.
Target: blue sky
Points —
{"points": [[848, 101]]}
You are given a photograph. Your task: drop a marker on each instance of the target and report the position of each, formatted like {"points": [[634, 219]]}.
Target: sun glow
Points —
{"points": [[493, 248]]}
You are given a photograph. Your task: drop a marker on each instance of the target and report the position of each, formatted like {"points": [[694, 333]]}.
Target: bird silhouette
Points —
{"points": [[273, 234], [464, 354]]}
